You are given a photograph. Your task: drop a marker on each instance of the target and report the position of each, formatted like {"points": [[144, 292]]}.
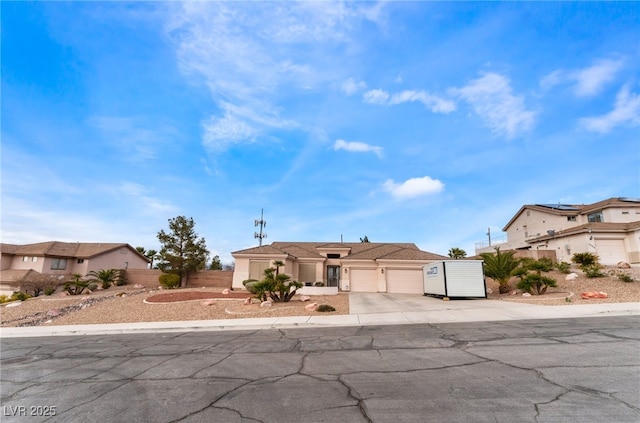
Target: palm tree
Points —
{"points": [[457, 253], [500, 266], [151, 255], [105, 277]]}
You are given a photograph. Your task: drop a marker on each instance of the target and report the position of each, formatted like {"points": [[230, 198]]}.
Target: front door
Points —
{"points": [[333, 275]]}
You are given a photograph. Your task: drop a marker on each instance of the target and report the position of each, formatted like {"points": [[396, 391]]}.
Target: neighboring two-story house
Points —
{"points": [[608, 228], [65, 258], [349, 266]]}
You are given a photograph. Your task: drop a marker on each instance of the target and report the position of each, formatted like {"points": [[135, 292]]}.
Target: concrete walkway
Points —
{"points": [[366, 309]]}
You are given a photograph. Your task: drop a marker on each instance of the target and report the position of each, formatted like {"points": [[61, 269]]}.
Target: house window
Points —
{"points": [[25, 258], [58, 264], [571, 218], [257, 268], [332, 255], [307, 272], [625, 212], [595, 217], [34, 259], [80, 261]]}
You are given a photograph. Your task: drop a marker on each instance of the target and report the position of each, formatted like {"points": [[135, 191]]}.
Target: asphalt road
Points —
{"points": [[565, 370]]}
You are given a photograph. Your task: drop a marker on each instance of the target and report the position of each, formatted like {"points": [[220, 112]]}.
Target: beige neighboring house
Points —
{"points": [[65, 258], [608, 228], [349, 266]]}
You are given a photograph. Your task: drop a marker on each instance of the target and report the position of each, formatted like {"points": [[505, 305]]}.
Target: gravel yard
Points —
{"points": [[127, 305], [106, 306]]}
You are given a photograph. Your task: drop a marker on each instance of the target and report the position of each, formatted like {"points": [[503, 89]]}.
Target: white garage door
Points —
{"points": [[610, 251], [405, 281], [364, 280]]}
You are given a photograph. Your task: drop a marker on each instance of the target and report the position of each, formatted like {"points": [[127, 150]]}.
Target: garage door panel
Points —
{"points": [[364, 280], [405, 281], [611, 251]]}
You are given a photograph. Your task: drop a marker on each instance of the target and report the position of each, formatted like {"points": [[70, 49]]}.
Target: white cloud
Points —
{"points": [[434, 103], [413, 187], [492, 98], [591, 80], [252, 57], [351, 86], [357, 147], [625, 111], [132, 137], [222, 132], [588, 81], [376, 96]]}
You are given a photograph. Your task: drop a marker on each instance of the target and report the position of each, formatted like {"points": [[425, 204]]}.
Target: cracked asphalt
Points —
{"points": [[562, 370]]}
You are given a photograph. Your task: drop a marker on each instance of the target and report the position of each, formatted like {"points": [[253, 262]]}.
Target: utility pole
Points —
{"points": [[262, 223], [489, 234]]}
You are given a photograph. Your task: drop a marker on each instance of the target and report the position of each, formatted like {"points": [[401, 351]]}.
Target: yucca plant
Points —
{"points": [[278, 286], [500, 267]]}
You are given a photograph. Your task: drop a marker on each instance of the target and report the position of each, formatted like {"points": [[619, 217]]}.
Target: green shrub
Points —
{"points": [[49, 290], [593, 271], [4, 299], [169, 280], [584, 259], [536, 284], [120, 278], [563, 267], [625, 278], [19, 296], [324, 308], [318, 284]]}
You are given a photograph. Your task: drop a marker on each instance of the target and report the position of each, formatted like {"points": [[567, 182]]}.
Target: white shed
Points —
{"points": [[455, 278]]}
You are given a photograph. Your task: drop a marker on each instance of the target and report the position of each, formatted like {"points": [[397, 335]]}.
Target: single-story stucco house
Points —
{"points": [[55, 258], [349, 266]]}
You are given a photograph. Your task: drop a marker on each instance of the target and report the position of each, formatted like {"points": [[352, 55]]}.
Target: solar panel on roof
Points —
{"points": [[559, 206]]}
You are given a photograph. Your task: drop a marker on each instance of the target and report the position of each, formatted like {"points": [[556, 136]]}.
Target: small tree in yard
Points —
{"points": [[182, 251], [500, 266], [76, 285], [278, 286]]}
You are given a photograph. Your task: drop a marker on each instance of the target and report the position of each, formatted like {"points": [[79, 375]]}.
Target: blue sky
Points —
{"points": [[424, 122]]}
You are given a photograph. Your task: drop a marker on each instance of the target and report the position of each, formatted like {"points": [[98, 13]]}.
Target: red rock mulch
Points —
{"points": [[172, 297]]}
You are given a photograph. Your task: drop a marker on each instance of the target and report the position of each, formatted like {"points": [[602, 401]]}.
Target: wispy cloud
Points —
{"points": [[357, 147], [414, 187], [586, 82], [139, 196], [626, 110], [492, 98], [351, 86], [135, 139], [432, 102], [252, 57]]}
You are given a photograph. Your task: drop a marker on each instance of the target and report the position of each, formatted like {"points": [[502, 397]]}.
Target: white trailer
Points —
{"points": [[455, 278]]}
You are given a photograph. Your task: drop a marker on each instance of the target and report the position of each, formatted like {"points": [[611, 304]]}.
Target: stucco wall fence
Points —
{"points": [[206, 278]]}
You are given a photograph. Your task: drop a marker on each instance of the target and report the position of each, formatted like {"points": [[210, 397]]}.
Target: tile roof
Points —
{"points": [[357, 250], [576, 209], [63, 249], [595, 227]]}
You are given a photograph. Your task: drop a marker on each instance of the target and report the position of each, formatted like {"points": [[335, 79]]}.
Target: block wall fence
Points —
{"points": [[206, 278]]}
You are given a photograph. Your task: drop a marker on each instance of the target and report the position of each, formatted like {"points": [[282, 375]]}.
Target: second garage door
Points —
{"points": [[405, 281], [611, 251], [364, 280]]}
